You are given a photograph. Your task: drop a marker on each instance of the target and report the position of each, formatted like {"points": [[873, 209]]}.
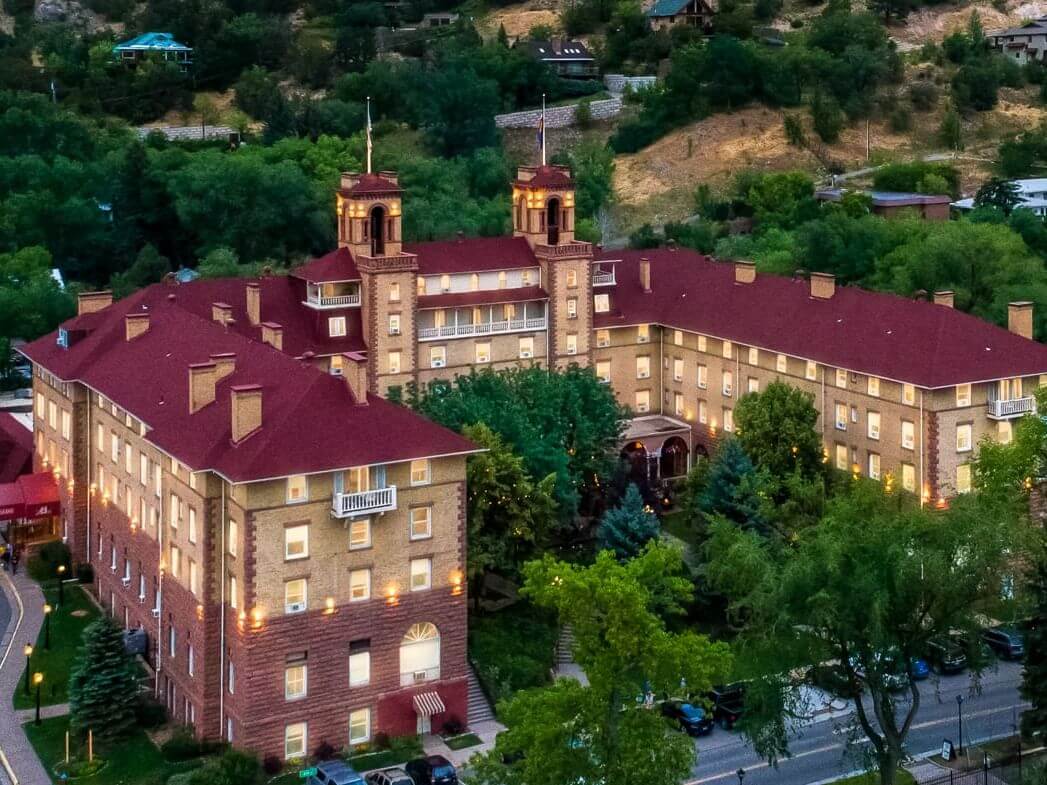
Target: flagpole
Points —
{"points": [[543, 129], [368, 134]]}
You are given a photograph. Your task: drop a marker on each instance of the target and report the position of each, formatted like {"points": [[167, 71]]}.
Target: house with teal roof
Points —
{"points": [[158, 46], [664, 14]]}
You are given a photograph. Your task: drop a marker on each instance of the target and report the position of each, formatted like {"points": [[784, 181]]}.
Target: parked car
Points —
{"points": [[334, 772], [1006, 642], [388, 777], [834, 681], [919, 669], [693, 720], [891, 669], [432, 770], [728, 704], [946, 655]]}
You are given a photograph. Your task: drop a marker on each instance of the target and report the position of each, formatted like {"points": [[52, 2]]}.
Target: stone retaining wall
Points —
{"points": [[558, 116], [616, 82]]}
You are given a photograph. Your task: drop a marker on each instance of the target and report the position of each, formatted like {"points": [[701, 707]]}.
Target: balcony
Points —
{"points": [[333, 295], [481, 328], [1006, 409], [419, 677], [347, 505], [340, 301], [603, 278]]}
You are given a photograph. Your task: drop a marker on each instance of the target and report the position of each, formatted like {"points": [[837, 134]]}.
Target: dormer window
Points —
{"points": [[63, 338]]}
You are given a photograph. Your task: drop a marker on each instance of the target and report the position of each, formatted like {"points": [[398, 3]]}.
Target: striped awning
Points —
{"points": [[427, 704]]}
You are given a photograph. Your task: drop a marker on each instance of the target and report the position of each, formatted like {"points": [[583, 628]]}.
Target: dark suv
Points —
{"points": [[946, 655], [432, 770], [693, 720], [728, 704], [334, 772], [1006, 642]]}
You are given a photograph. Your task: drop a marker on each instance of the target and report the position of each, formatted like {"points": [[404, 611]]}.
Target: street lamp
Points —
{"points": [[741, 775], [61, 592], [38, 679], [28, 649], [47, 626], [959, 718]]}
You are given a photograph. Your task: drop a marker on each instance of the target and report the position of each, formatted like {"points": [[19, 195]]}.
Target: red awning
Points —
{"points": [[30, 496]]}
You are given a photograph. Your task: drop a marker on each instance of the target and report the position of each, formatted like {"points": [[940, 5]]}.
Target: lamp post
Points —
{"points": [[47, 626], [38, 679], [28, 650], [61, 591], [959, 719]]}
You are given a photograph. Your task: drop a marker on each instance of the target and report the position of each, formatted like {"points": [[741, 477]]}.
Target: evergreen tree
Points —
{"points": [[103, 688], [627, 528], [731, 488], [1001, 194], [1034, 673], [951, 131]]}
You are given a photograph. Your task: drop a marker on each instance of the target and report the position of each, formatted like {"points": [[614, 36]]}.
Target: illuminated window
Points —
{"points": [[421, 574], [963, 438], [483, 352], [908, 434], [297, 489], [421, 522], [643, 333], [295, 598], [336, 326], [394, 324], [359, 663], [295, 681], [526, 347], [572, 343], [702, 343], [678, 370], [359, 534], [841, 377], [909, 477], [874, 386], [572, 307], [754, 385], [1003, 431], [437, 356], [572, 279], [703, 377], [643, 367], [963, 478], [295, 740], [841, 457], [728, 383], [296, 542], [394, 292], [603, 338], [908, 394], [420, 471], [811, 371], [963, 395], [841, 416], [873, 428], [394, 362], [603, 371], [754, 356], [728, 419], [874, 465], [359, 726], [703, 412], [677, 338], [728, 350], [678, 404], [359, 585], [643, 400]]}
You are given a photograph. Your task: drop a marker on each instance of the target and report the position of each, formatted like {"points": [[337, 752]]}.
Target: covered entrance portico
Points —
{"points": [[29, 511], [657, 448]]}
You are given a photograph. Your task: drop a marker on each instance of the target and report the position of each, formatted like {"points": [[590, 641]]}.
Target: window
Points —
{"points": [[421, 285], [908, 394], [874, 465], [728, 383], [1003, 431], [359, 534], [114, 447], [394, 362], [176, 561], [420, 471], [359, 585], [172, 637], [643, 333], [963, 395], [781, 363], [437, 356], [67, 424], [603, 337], [233, 603], [421, 522], [873, 427], [643, 367], [295, 681], [190, 660], [702, 343], [336, 326], [420, 654], [157, 479], [294, 741], [728, 350], [572, 278], [874, 386], [172, 511], [394, 292], [192, 525], [678, 404], [754, 385], [295, 599], [677, 338], [394, 324], [841, 378], [40, 406], [841, 457], [841, 416], [421, 574], [526, 347], [909, 477], [908, 434], [643, 400], [811, 371], [143, 469], [601, 303], [963, 478], [572, 307], [754, 356], [703, 376], [234, 534], [359, 663], [194, 577], [296, 542], [703, 412], [963, 437], [297, 489], [483, 352], [603, 371], [677, 369], [445, 283], [359, 726], [100, 437], [728, 419], [525, 278]]}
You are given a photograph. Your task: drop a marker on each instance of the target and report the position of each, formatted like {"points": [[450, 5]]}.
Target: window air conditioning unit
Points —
{"points": [[418, 676], [643, 339], [126, 582], [526, 354], [395, 331], [643, 375], [296, 607], [603, 343], [643, 407], [156, 613], [141, 599], [438, 363], [727, 389], [572, 351], [336, 372]]}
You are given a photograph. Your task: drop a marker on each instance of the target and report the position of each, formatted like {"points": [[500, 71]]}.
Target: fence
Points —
{"points": [[616, 82], [1006, 769]]}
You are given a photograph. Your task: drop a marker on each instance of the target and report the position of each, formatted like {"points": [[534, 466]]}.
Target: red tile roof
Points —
{"points": [[485, 297], [867, 332], [472, 254], [309, 421], [16, 448], [338, 265], [548, 177], [372, 184]]}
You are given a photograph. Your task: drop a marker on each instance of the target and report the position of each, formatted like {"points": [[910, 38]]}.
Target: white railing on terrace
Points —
{"points": [[364, 502], [603, 278], [341, 300], [481, 328], [418, 677], [1014, 407]]}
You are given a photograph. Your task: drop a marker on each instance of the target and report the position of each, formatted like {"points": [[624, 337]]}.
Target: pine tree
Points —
{"points": [[628, 527], [103, 688], [731, 488], [1034, 673]]}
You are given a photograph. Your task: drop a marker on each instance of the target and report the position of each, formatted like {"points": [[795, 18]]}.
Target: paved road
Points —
{"points": [[822, 750]]}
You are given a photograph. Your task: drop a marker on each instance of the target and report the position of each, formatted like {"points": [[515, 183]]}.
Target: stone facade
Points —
{"points": [[559, 116]]}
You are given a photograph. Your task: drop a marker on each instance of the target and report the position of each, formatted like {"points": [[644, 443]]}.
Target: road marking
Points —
{"points": [[3, 660], [8, 769], [762, 765]]}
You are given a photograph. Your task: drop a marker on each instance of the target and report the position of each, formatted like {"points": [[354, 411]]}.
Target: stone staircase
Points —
{"points": [[565, 646], [479, 707]]}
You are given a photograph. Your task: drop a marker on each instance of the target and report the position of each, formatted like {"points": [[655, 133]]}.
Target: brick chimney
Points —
{"points": [[254, 303], [246, 410], [823, 285], [355, 373], [1019, 318], [946, 298], [224, 364], [744, 272], [273, 334], [222, 313], [89, 302], [202, 379], [135, 324], [645, 275]]}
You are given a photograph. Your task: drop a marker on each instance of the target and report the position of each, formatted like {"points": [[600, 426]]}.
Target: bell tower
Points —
{"points": [[369, 214], [543, 214]]}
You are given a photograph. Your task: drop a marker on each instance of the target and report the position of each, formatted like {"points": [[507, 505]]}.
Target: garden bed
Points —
{"points": [[512, 649], [463, 740]]}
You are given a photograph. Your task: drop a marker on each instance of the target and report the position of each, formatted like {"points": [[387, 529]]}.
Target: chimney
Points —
{"points": [[254, 303], [135, 324], [645, 275], [202, 378], [89, 302], [224, 365], [273, 334], [355, 372], [823, 285], [946, 298], [222, 313], [246, 410], [1019, 318], [744, 272]]}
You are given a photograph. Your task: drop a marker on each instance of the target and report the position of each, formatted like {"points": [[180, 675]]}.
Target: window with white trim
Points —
{"points": [[728, 383], [703, 376], [601, 303], [572, 307], [295, 677], [841, 378], [359, 534], [702, 343], [908, 394], [526, 347], [67, 424], [964, 437], [874, 465], [296, 595], [336, 326], [909, 477], [603, 338], [841, 457], [359, 726], [295, 740], [296, 542], [359, 585], [359, 663], [963, 478], [394, 324], [421, 574], [643, 333], [437, 356], [393, 362], [394, 292], [781, 363], [908, 434], [421, 522], [728, 350], [233, 537], [963, 395], [811, 370], [873, 426], [728, 419], [753, 385], [754, 356], [643, 367], [297, 489], [643, 400], [873, 386], [421, 471], [572, 343], [483, 352], [192, 525], [677, 337], [603, 371], [703, 412]]}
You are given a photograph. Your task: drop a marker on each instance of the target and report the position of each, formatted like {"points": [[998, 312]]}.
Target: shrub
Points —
{"points": [[583, 114], [272, 765], [828, 119], [232, 768], [923, 95], [44, 564], [324, 751], [381, 740], [183, 745], [794, 131], [453, 726], [900, 120], [149, 713], [85, 573]]}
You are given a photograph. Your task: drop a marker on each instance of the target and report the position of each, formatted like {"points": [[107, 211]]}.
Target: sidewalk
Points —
{"points": [[27, 602]]}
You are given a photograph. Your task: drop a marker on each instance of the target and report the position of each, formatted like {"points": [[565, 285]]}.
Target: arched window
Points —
{"points": [[552, 221], [377, 230], [420, 654]]}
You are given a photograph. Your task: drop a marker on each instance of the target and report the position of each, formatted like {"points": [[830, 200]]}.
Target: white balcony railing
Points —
{"points": [[419, 677], [482, 328], [1013, 407], [339, 301], [344, 505], [603, 278]]}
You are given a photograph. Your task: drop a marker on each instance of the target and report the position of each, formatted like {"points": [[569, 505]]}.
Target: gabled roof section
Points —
{"points": [[371, 184], [558, 50], [883, 335], [472, 254], [337, 265], [668, 7], [16, 448], [548, 177], [152, 42]]}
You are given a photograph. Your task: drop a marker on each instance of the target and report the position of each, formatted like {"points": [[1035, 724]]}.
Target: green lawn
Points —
{"points": [[872, 778], [134, 761], [462, 741], [56, 662], [676, 524]]}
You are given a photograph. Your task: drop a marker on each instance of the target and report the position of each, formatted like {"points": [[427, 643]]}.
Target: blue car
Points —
{"points": [[693, 720], [919, 668]]}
